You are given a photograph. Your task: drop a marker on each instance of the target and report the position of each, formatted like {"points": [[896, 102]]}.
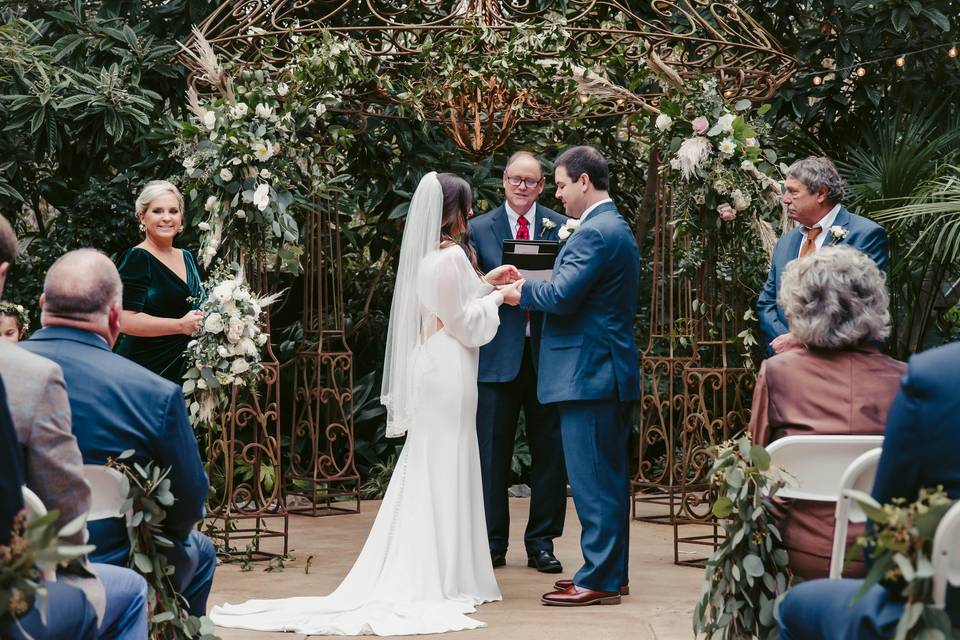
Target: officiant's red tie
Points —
{"points": [[523, 229], [810, 244], [523, 233]]}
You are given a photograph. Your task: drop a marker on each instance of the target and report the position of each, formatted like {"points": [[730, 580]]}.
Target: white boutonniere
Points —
{"points": [[837, 232], [568, 228], [547, 224]]}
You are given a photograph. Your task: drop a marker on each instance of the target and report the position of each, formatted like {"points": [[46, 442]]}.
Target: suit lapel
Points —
{"points": [[842, 220], [793, 249], [500, 227]]}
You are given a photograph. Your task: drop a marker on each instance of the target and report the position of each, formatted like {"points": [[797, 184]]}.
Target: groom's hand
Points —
{"points": [[504, 274], [511, 293]]}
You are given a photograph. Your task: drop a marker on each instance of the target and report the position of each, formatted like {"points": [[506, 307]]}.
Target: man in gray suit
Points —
{"points": [[38, 403]]}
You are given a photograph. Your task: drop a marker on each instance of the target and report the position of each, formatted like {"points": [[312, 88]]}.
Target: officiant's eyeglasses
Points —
{"points": [[529, 183]]}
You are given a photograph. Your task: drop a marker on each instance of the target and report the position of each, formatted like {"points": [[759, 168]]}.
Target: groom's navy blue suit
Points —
{"points": [[507, 381], [589, 367], [861, 234]]}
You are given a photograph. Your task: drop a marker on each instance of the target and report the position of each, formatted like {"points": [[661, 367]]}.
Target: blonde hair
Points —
{"points": [[153, 190]]}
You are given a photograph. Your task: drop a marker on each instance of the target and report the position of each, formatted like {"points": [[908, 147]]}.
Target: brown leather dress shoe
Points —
{"points": [[574, 596], [560, 585]]}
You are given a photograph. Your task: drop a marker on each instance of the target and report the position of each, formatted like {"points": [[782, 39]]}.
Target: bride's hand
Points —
{"points": [[511, 293], [504, 274]]}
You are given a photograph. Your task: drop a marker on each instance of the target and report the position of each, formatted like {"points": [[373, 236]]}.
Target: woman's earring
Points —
{"points": [[143, 228]]}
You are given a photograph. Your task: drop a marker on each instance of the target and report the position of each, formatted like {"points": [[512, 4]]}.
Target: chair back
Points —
{"points": [[817, 462], [860, 476], [106, 492], [35, 509], [946, 555]]}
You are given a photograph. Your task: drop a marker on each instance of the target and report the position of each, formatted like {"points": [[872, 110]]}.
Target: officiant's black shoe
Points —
{"points": [[560, 585], [498, 559], [544, 561]]}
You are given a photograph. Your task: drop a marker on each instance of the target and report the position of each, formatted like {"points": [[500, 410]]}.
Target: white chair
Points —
{"points": [[106, 493], [35, 509], [946, 555], [817, 463], [859, 475]]}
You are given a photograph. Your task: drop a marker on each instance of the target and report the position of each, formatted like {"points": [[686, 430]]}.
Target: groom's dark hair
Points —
{"points": [[584, 159]]}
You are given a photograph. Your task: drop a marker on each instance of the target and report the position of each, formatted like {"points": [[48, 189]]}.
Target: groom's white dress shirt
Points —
{"points": [[592, 207]]}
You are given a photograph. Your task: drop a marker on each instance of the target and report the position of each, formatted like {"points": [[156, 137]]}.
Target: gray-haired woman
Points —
{"points": [[836, 304]]}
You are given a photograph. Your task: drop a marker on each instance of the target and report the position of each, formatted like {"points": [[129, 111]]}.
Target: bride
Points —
{"points": [[425, 563]]}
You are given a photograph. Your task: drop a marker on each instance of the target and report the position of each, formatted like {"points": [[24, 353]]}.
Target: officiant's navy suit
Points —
{"points": [[920, 447], [588, 366], [117, 405], [507, 381], [862, 234]]}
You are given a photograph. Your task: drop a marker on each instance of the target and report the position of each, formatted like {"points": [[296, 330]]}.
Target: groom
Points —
{"points": [[588, 367]]}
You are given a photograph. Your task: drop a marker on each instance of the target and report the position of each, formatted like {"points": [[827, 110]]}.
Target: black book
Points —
{"points": [[534, 258]]}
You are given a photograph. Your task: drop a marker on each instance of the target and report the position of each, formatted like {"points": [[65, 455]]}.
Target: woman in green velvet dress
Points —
{"points": [[161, 287]]}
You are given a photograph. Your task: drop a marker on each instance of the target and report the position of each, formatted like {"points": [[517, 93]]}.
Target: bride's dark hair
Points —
{"points": [[457, 201]]}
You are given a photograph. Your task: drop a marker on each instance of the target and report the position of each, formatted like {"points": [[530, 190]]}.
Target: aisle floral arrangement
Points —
{"points": [[226, 352]]}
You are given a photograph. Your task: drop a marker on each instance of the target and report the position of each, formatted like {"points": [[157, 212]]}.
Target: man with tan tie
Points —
{"points": [[812, 193]]}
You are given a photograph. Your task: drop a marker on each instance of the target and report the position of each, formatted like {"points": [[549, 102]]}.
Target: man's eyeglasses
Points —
{"points": [[529, 183]]}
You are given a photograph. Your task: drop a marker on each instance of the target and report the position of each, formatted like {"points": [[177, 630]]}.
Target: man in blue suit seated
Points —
{"points": [[508, 380], [920, 447], [119, 405], [69, 614], [813, 189], [589, 368]]}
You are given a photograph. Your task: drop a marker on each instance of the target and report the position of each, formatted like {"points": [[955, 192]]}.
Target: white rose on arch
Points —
{"points": [[728, 146], [210, 120], [226, 175], [263, 150], [238, 111], [740, 200], [664, 122], [725, 122], [263, 111], [261, 197]]}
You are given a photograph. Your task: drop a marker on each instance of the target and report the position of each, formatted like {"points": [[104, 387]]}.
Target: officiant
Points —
{"points": [[507, 380]]}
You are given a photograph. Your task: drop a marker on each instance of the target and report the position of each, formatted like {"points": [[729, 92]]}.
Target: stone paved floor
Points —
{"points": [[659, 607]]}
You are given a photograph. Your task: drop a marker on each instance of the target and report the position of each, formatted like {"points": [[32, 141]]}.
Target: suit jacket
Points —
{"points": [[923, 436], [119, 405], [587, 350], [862, 234], [500, 358], [801, 392], [12, 478], [37, 398]]}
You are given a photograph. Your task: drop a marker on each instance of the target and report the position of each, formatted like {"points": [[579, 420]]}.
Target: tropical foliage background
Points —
{"points": [[92, 103]]}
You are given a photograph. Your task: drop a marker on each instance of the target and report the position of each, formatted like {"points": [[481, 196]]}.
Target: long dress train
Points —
{"points": [[426, 562]]}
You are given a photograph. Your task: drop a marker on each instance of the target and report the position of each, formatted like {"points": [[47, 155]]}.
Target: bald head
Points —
{"points": [[80, 285]]}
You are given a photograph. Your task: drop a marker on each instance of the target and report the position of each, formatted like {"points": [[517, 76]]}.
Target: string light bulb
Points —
{"points": [[729, 93], [817, 80], [952, 52], [901, 61], [584, 98], [861, 71]]}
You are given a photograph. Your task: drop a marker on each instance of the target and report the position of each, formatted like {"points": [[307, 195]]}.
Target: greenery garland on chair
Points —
{"points": [[747, 573], [900, 543], [32, 544], [147, 490]]}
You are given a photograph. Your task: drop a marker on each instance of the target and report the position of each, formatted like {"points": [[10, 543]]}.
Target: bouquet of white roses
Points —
{"points": [[226, 352]]}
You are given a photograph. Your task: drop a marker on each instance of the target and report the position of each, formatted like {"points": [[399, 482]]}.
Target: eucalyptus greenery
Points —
{"points": [[147, 490], [31, 545], [900, 544], [748, 571]]}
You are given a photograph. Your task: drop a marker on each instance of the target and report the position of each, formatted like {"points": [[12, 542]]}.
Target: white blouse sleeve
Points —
{"points": [[467, 306]]}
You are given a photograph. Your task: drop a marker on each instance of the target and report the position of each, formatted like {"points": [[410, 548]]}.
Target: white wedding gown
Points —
{"points": [[426, 562]]}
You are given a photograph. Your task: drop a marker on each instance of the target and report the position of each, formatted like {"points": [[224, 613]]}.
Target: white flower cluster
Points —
{"points": [[226, 352]]}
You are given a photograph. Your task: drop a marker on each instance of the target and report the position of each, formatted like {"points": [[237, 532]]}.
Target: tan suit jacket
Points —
{"points": [[803, 392], [40, 410]]}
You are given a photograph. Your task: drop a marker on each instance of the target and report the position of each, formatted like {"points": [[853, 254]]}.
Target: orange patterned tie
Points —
{"points": [[810, 244]]}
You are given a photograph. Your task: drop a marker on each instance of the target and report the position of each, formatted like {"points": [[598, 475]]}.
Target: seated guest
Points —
{"points": [[40, 411], [119, 405], [68, 614], [839, 384], [919, 451]]}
